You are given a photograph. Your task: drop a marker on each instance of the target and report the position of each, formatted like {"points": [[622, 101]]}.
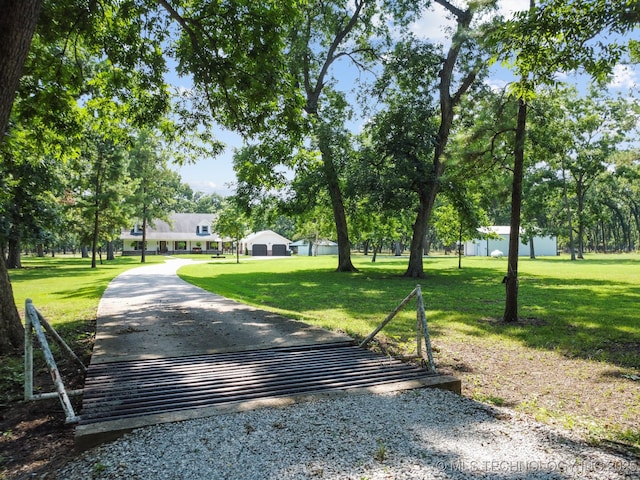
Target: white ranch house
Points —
{"points": [[184, 233], [543, 246]]}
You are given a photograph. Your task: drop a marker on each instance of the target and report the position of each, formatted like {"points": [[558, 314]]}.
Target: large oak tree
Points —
{"points": [[18, 20]]}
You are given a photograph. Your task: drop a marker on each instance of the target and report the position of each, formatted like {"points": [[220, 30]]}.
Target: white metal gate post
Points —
{"points": [[34, 323], [28, 356], [425, 330]]}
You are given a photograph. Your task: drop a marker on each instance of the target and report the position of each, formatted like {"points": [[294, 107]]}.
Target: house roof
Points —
{"points": [[265, 236], [181, 227], [324, 242], [498, 229]]}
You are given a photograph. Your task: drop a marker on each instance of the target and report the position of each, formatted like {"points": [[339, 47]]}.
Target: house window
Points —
{"points": [[181, 245], [204, 229]]}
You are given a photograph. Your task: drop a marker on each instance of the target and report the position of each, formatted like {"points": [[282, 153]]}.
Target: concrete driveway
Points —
{"points": [[149, 312]]}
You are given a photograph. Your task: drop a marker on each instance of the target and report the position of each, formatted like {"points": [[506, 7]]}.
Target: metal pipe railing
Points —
{"points": [[33, 324], [422, 331]]}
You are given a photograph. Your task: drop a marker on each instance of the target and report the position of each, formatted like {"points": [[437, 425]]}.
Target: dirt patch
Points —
{"points": [[35, 439], [596, 400]]}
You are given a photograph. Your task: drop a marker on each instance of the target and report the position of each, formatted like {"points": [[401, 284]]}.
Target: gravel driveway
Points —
{"points": [[420, 434]]}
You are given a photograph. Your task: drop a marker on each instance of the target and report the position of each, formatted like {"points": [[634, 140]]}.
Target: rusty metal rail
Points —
{"points": [[121, 390]]}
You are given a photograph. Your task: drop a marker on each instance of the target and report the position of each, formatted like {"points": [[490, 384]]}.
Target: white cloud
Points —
{"points": [[509, 7], [496, 84], [433, 25], [624, 76], [203, 186], [436, 21]]}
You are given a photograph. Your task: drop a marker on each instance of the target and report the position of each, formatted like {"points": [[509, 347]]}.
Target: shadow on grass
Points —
{"points": [[561, 308], [67, 268]]}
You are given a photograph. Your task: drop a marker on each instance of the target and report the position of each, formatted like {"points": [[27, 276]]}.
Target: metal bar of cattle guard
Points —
{"points": [[389, 318], [51, 331]]}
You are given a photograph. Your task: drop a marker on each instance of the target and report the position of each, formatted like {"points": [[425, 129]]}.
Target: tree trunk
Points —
{"points": [[13, 257], [511, 280], [94, 240], [427, 243], [143, 257], [11, 330], [532, 250], [110, 251], [337, 204], [376, 249], [460, 248], [580, 194], [415, 268], [17, 23], [572, 249]]}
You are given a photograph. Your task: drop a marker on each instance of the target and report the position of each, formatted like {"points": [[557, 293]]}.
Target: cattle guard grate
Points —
{"points": [[124, 390]]}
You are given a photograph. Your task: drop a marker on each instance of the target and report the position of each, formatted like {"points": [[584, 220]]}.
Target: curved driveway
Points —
{"points": [[149, 312]]}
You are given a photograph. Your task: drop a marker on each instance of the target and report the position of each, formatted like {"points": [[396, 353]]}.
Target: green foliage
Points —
{"points": [[564, 36], [231, 222], [155, 184], [234, 50], [381, 452], [100, 184], [11, 380]]}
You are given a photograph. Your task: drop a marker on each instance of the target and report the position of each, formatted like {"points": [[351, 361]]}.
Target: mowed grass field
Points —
{"points": [[573, 360], [586, 309]]}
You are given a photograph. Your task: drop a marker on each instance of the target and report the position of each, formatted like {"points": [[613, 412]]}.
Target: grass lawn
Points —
{"points": [[572, 360], [33, 435], [64, 288]]}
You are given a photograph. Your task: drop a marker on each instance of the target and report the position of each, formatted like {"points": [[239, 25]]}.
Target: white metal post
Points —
{"points": [[28, 355]]}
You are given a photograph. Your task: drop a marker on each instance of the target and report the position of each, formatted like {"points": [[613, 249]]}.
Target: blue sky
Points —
{"points": [[211, 175]]}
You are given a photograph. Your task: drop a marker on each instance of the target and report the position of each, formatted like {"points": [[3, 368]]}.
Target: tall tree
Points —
{"points": [[101, 184], [450, 93], [423, 87], [327, 37], [598, 124], [155, 184], [552, 36], [32, 187], [18, 22], [231, 222]]}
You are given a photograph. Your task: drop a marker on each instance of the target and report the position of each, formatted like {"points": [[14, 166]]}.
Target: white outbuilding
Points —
{"points": [[265, 243], [497, 238], [305, 248]]}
